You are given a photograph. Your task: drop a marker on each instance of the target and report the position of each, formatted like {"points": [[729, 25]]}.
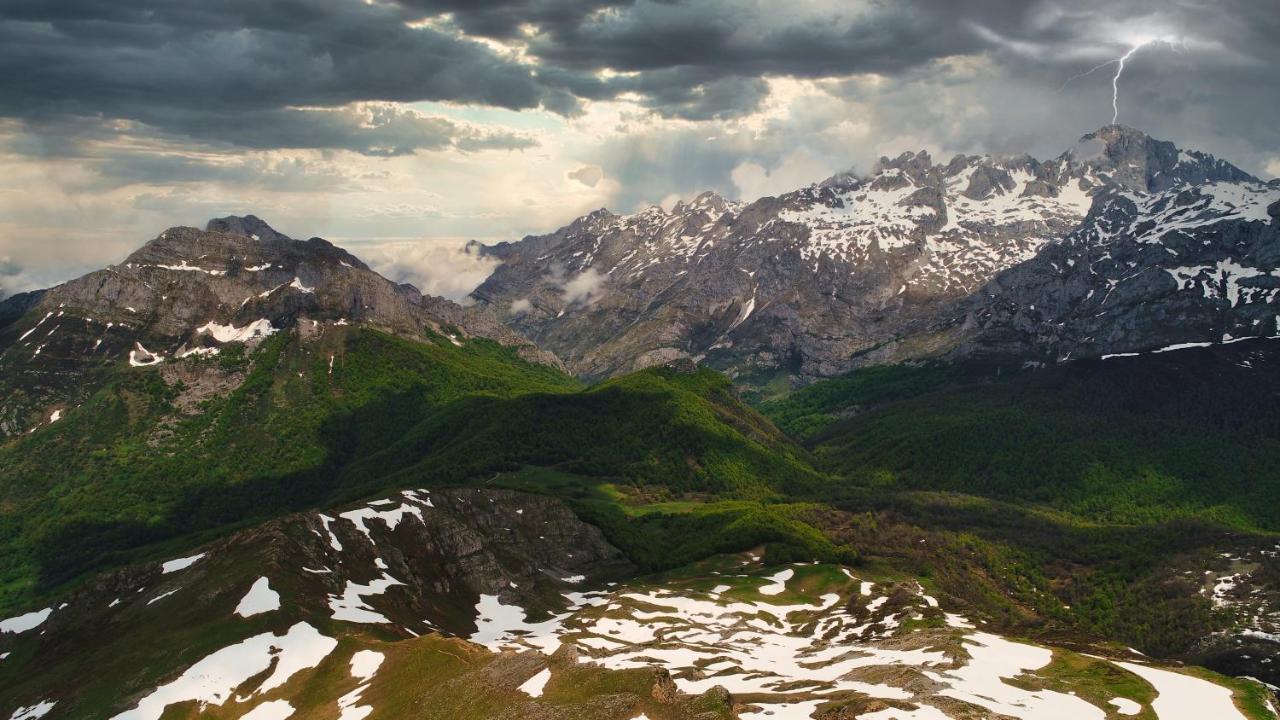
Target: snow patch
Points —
{"points": [[1125, 706], [184, 267], [363, 666], [777, 583], [496, 622], [23, 623], [230, 333], [33, 712], [533, 686], [365, 663], [260, 598], [333, 539], [180, 564], [351, 607], [142, 357], [33, 328], [213, 679], [162, 596], [1183, 346], [390, 518], [270, 710], [1182, 697], [767, 650], [980, 681]]}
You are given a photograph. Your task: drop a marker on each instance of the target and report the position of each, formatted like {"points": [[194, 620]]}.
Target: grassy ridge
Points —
{"points": [[685, 432], [1037, 571], [126, 471], [660, 534], [812, 409]]}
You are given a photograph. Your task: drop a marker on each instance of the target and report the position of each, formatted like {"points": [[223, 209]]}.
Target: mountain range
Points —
{"points": [[1122, 244], [990, 438]]}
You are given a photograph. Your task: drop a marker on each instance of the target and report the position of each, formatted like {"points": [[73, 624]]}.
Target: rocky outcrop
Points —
{"points": [[414, 563], [391, 588], [1193, 264]]}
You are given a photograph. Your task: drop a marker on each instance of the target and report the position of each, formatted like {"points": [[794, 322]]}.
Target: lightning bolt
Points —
{"points": [[1086, 73], [1115, 80]]}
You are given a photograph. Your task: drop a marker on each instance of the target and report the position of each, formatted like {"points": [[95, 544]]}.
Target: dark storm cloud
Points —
{"points": [[505, 18], [168, 62], [689, 57], [753, 39], [235, 71], [382, 130], [707, 60], [691, 94]]}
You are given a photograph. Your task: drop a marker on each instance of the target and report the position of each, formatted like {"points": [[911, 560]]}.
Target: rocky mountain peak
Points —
{"points": [[914, 163], [706, 201], [233, 244], [1117, 138], [596, 216], [249, 226], [1136, 162], [188, 292]]}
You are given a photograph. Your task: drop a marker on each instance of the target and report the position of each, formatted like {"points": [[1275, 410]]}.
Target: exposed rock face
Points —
{"points": [[1190, 264], [192, 291], [412, 564], [447, 547], [850, 271], [444, 548]]}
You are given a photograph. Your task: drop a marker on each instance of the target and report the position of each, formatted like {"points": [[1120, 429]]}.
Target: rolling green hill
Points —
{"points": [[154, 458]]}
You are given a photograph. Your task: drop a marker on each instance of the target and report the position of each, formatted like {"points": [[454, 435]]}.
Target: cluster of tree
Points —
{"points": [[1136, 440]]}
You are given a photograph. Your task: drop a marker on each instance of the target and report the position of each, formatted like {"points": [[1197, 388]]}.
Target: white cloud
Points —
{"points": [[797, 169], [62, 216], [589, 175], [446, 269], [14, 279], [583, 286], [521, 306], [1273, 167]]}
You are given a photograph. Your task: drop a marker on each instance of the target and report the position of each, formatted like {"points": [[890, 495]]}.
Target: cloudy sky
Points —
{"points": [[402, 128]]}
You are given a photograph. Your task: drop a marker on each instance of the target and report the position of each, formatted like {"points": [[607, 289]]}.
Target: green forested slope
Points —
{"points": [[1134, 440], [126, 470]]}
